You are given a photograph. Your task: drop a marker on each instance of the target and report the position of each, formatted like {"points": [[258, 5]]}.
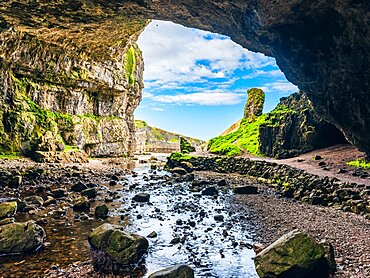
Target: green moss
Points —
{"points": [[140, 124], [69, 148], [359, 163], [12, 155], [177, 156], [185, 146], [130, 65]]}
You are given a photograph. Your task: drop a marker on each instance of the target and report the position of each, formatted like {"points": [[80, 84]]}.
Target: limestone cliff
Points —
{"points": [[55, 96], [153, 139]]}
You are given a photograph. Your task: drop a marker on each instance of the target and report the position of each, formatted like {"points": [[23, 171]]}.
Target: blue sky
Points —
{"points": [[196, 82]]}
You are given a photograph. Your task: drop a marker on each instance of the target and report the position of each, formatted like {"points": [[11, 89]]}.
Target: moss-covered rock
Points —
{"points": [[254, 106], [185, 146], [7, 209], [21, 237], [123, 247], [294, 255]]}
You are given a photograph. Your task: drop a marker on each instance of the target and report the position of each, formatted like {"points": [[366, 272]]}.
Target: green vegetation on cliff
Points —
{"points": [[185, 146], [130, 65], [246, 138], [359, 163]]}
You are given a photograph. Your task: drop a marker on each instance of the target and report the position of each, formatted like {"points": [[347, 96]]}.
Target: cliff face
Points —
{"points": [[293, 127], [55, 96], [152, 139], [322, 46]]}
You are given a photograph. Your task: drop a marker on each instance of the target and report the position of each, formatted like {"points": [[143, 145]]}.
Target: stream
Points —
{"points": [[183, 219]]}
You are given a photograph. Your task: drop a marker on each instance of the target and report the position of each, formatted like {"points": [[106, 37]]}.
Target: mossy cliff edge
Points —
{"points": [[54, 96], [290, 129]]}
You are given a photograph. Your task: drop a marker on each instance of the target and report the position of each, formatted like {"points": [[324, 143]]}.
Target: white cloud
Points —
{"points": [[210, 98], [280, 87], [157, 109], [264, 73], [176, 55]]}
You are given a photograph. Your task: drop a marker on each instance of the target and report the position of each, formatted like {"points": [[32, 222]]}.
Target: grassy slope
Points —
{"points": [[246, 138]]}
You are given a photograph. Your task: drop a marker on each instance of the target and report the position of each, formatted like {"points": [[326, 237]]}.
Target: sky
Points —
{"points": [[196, 82]]}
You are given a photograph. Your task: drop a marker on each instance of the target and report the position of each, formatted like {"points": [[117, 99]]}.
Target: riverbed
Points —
{"points": [[191, 228]]}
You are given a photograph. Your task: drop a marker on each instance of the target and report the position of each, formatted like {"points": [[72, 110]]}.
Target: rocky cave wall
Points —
{"points": [[322, 46], [57, 97]]}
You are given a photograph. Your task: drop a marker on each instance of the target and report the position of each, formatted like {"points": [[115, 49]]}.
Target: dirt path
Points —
{"points": [[333, 159]]}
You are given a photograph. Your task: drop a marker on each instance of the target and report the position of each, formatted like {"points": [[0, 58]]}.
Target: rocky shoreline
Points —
{"points": [[287, 181], [261, 212]]}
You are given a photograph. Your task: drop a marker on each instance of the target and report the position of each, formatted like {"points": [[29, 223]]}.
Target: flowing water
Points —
{"points": [[183, 219]]}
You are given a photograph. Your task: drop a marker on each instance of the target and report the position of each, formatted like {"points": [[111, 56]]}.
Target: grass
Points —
{"points": [[177, 156], [246, 138], [359, 163], [140, 124], [69, 148], [9, 155]]}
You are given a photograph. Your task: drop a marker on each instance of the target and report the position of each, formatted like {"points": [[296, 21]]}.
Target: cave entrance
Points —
{"points": [[196, 84]]}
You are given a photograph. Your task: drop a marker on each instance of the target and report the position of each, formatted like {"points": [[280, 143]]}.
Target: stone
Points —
{"points": [[81, 204], [185, 146], [8, 209], [294, 255], [254, 106], [23, 237], [15, 181], [179, 170], [101, 211], [153, 234], [177, 271], [124, 248], [34, 200], [219, 218], [78, 187], [210, 191], [89, 193], [141, 197], [59, 193], [245, 189]]}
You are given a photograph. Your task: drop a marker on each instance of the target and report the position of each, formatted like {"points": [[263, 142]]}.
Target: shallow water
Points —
{"points": [[213, 249]]}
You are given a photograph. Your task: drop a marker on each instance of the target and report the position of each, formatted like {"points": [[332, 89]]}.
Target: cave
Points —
{"points": [[321, 46]]}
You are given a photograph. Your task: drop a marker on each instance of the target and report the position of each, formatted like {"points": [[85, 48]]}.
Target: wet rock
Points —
{"points": [[153, 234], [210, 191], [21, 237], [141, 197], [246, 189], [222, 182], [49, 201], [81, 204], [342, 171], [317, 157], [294, 255], [177, 271], [78, 187], [219, 218], [8, 209], [179, 170], [7, 221], [89, 193], [124, 248], [34, 200], [101, 211], [15, 181], [59, 193]]}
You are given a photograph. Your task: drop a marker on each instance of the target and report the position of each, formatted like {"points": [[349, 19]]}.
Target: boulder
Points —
{"points": [[210, 191], [21, 237], [34, 200], [141, 197], [246, 189], [15, 181], [124, 248], [177, 271], [78, 187], [81, 204], [89, 193], [101, 211], [179, 170], [7, 209], [294, 255]]}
